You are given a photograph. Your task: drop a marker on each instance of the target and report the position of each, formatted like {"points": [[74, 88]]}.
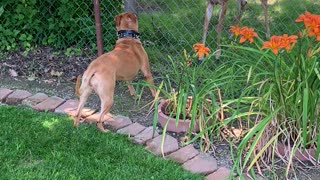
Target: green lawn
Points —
{"points": [[37, 145]]}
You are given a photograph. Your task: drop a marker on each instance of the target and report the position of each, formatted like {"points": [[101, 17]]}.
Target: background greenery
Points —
{"points": [[167, 27], [61, 23]]}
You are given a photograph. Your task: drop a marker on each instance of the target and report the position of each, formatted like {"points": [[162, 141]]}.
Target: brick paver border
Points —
{"points": [[190, 158]]}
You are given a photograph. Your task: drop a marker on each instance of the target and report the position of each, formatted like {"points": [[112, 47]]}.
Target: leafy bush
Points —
{"points": [[284, 87], [58, 23], [277, 103]]}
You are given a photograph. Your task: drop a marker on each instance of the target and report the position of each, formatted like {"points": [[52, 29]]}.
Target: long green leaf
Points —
{"points": [[253, 132], [274, 138], [156, 109], [194, 109], [155, 117], [259, 129], [179, 105], [305, 115]]}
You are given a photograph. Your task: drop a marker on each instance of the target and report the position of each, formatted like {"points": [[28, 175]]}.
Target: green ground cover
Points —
{"points": [[45, 146]]}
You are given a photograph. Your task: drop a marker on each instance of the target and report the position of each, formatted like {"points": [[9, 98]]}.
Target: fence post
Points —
{"points": [[97, 19]]}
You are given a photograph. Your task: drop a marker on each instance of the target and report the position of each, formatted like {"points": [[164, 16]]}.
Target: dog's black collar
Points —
{"points": [[128, 34]]}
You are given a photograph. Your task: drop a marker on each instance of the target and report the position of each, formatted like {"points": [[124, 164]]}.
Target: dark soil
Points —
{"points": [[45, 64]]}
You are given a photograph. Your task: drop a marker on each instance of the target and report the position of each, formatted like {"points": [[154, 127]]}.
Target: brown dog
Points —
{"points": [[122, 63]]}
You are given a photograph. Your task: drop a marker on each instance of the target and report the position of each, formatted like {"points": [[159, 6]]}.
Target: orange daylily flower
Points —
{"points": [[274, 44], [288, 42], [247, 34], [278, 42], [312, 24], [304, 17], [201, 50], [235, 30]]}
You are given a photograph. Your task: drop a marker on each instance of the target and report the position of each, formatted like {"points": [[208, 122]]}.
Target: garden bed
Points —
{"points": [[44, 70]]}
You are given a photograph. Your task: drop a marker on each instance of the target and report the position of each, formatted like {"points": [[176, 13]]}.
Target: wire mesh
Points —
{"points": [[167, 27]]}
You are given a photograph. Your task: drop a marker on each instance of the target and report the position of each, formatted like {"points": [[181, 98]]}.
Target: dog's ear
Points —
{"points": [[132, 17], [117, 19]]}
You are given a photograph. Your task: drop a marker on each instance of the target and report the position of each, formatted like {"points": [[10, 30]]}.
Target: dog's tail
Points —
{"points": [[78, 86]]}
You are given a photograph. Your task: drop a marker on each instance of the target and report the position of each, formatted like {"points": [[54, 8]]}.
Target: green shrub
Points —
{"points": [[59, 23]]}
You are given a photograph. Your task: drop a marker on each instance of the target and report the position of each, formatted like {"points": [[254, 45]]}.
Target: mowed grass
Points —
{"points": [[37, 145]]}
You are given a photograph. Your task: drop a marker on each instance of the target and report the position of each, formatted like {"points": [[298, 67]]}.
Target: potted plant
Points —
{"points": [[188, 100], [185, 111]]}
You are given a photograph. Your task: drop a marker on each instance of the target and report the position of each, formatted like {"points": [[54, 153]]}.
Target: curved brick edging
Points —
{"points": [[190, 158]]}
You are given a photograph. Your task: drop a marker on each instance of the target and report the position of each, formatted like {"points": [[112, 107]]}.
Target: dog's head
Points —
{"points": [[126, 21]]}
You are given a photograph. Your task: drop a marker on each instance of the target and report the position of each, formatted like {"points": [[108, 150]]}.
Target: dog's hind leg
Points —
{"points": [[105, 108], [83, 98], [105, 90]]}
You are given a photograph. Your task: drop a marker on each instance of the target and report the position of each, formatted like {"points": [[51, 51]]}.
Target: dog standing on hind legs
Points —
{"points": [[122, 63]]}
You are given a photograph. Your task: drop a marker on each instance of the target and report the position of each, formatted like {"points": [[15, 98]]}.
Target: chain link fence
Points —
{"points": [[167, 27], [57, 23], [176, 25]]}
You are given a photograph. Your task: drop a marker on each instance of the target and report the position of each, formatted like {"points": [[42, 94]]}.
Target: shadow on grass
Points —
{"points": [[46, 146]]}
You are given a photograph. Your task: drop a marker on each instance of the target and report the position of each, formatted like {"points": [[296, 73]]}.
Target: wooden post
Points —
{"points": [[97, 19]]}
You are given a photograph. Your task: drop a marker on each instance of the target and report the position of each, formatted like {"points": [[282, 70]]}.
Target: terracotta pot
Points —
{"points": [[183, 125], [301, 155]]}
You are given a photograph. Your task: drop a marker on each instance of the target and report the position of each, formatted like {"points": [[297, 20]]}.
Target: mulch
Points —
{"points": [[45, 64]]}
